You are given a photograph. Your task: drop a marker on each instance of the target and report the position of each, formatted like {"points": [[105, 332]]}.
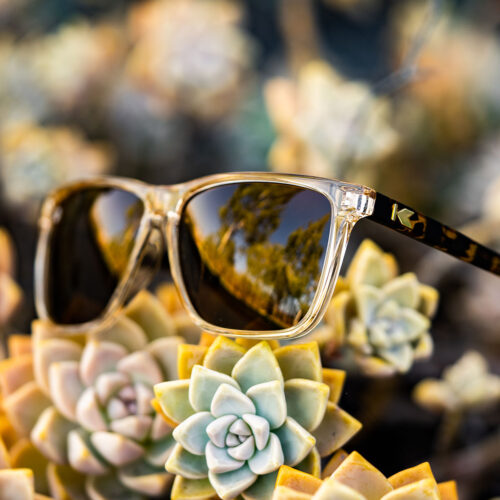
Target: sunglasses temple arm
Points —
{"points": [[401, 218]]}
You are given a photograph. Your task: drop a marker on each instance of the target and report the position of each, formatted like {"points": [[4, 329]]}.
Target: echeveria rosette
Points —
{"points": [[378, 316], [244, 411], [351, 477], [89, 408]]}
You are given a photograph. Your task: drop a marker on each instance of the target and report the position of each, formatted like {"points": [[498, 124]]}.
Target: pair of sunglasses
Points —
{"points": [[252, 254]]}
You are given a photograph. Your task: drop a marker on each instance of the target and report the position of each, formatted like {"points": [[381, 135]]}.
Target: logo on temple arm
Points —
{"points": [[403, 215]]}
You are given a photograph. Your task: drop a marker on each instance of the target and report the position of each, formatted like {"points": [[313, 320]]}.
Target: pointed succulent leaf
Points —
{"points": [[413, 323], [296, 442], [124, 332], [306, 401], [219, 460], [50, 435], [187, 357], [230, 484], [144, 478], [51, 351], [186, 464], [335, 430], [115, 448], [300, 361], [160, 428], [17, 484], [268, 459], [404, 290], [88, 411], [108, 384], [158, 452], [15, 372], [269, 401], [136, 427], [371, 266], [109, 486], [192, 432], [173, 398], [141, 366], [146, 310], [400, 356], [98, 358], [367, 300], [425, 489], [144, 395], [260, 429], [359, 474], [223, 354], [165, 351], [65, 387], [203, 386], [424, 347], [257, 366], [230, 401], [81, 455], [334, 379], [219, 428], [24, 406], [240, 428], [331, 488], [244, 450], [262, 488], [192, 489]]}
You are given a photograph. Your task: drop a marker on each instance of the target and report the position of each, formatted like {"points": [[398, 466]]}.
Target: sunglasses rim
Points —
{"points": [[163, 210]]}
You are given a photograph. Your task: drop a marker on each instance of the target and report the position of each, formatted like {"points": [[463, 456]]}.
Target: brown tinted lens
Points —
{"points": [[252, 253], [89, 250]]}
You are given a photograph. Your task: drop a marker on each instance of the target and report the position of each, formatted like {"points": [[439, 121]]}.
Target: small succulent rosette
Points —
{"points": [[351, 477], [315, 119], [37, 159], [242, 410], [189, 55], [466, 385], [10, 292], [378, 317], [88, 407]]}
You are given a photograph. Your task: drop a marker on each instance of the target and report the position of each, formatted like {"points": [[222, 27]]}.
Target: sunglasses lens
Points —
{"points": [[252, 253], [89, 251]]}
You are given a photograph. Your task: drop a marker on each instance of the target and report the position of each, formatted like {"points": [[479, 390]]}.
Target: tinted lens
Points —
{"points": [[252, 253], [89, 251]]}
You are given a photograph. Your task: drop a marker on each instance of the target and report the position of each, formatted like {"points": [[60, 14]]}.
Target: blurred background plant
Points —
{"points": [[402, 95]]}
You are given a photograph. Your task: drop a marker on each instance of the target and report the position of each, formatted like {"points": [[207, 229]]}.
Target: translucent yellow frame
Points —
{"points": [[163, 206], [163, 209]]}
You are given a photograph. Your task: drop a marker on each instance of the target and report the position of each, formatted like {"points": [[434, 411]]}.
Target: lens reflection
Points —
{"points": [[252, 253], [89, 251]]}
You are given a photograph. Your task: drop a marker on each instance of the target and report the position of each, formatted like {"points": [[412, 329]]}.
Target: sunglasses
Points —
{"points": [[252, 254]]}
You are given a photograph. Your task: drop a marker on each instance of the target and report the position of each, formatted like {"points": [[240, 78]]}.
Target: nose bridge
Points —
{"points": [[162, 201]]}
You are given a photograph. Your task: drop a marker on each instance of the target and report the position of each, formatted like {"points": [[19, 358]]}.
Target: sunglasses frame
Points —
{"points": [[163, 209]]}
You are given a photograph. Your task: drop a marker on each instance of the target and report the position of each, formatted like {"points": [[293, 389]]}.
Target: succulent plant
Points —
{"points": [[351, 477], [189, 54], [10, 293], [242, 410], [37, 159], [88, 409], [465, 385], [314, 118], [382, 319]]}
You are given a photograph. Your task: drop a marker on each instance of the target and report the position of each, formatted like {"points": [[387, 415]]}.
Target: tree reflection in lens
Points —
{"points": [[264, 244]]}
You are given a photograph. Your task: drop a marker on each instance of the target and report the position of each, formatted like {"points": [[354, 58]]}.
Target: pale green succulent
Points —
{"points": [[381, 318], [244, 413], [89, 408]]}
